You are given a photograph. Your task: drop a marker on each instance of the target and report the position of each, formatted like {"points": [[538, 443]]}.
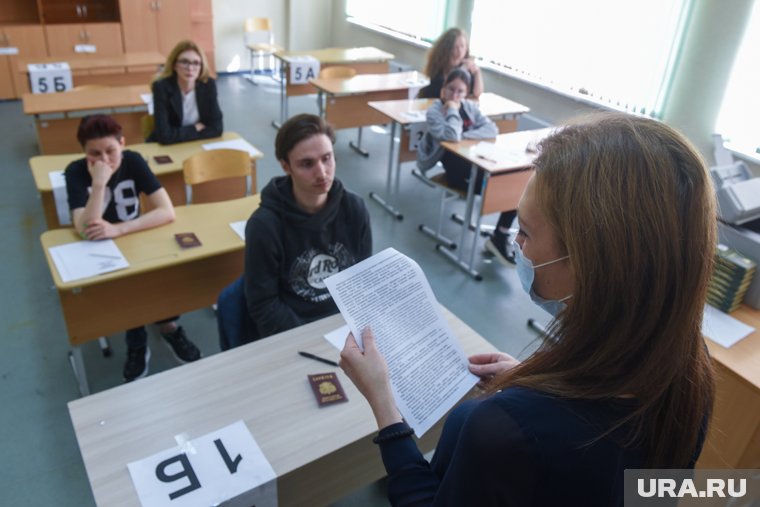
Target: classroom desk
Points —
{"points": [[318, 454], [403, 113], [116, 70], [364, 60], [170, 174], [56, 126], [733, 440], [503, 182], [344, 101], [161, 280]]}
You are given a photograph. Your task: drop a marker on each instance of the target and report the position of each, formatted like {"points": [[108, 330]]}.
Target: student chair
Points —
{"points": [[342, 72], [218, 175], [337, 72], [83, 88], [259, 40], [147, 126], [334, 72], [435, 177]]}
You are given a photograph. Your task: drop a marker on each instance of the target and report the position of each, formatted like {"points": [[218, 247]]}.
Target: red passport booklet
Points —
{"points": [[327, 389]]}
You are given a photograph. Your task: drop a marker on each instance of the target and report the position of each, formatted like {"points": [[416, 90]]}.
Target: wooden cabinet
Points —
{"points": [[29, 41], [202, 29], [79, 11], [63, 39], [53, 28], [154, 25]]}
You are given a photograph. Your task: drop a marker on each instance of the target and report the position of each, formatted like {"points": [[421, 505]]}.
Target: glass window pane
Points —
{"points": [[422, 19], [739, 118], [615, 53]]}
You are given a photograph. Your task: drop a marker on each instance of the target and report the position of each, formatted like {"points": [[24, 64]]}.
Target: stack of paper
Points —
{"points": [[84, 259], [234, 144]]}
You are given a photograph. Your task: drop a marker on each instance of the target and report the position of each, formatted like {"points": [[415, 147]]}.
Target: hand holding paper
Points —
{"points": [[427, 368], [369, 373]]}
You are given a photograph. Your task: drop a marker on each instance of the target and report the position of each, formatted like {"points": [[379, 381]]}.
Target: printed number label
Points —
{"points": [[50, 77], [302, 70]]}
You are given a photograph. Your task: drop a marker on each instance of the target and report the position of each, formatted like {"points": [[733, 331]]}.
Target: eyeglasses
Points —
{"points": [[456, 92], [189, 63]]}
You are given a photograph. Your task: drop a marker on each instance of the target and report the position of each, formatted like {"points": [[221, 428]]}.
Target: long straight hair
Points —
{"points": [[632, 204]]}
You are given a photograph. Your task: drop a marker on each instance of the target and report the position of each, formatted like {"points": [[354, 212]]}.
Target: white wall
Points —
{"points": [[310, 23], [228, 29], [297, 24]]}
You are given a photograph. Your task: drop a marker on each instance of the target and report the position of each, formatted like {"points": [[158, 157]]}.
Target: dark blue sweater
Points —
{"points": [[517, 447]]}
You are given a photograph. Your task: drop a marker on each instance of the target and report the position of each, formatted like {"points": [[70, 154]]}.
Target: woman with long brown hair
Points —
{"points": [[617, 234], [449, 51], [184, 98]]}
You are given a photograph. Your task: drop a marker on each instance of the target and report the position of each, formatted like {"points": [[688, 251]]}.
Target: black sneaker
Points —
{"points": [[497, 245], [183, 349], [137, 363]]}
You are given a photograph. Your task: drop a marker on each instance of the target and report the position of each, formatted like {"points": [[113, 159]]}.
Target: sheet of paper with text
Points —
{"points": [[428, 369]]}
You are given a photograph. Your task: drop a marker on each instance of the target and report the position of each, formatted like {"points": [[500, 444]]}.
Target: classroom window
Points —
{"points": [[419, 19], [617, 54], [739, 116]]}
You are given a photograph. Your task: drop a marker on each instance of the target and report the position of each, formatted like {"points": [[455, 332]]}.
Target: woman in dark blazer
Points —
{"points": [[184, 98]]}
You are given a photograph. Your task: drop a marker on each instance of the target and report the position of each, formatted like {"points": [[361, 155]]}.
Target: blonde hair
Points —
{"points": [[631, 202], [439, 56], [171, 60]]}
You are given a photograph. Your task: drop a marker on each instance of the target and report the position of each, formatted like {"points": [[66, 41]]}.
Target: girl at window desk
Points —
{"points": [[625, 380], [450, 51], [454, 118], [184, 98]]}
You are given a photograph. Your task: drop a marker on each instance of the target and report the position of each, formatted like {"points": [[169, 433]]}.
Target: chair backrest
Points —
{"points": [[218, 175], [258, 30], [147, 125], [82, 88], [336, 72]]}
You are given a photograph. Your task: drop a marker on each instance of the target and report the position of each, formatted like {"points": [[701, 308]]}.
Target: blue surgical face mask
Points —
{"points": [[526, 271]]}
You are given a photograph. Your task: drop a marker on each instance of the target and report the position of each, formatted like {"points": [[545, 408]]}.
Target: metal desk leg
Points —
{"points": [[389, 180], [477, 225], [358, 146], [105, 346], [77, 364], [283, 100], [457, 259]]}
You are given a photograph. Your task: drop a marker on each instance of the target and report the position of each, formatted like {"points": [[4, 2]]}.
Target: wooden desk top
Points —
{"points": [[90, 61], [490, 105], [339, 55], [156, 248], [743, 358], [510, 151], [366, 83], [42, 165], [262, 383], [83, 100]]}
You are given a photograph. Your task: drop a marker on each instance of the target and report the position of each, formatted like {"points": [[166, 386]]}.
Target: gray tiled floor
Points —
{"points": [[41, 460]]}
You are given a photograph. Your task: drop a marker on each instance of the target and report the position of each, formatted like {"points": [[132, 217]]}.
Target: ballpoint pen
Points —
{"points": [[317, 358]]}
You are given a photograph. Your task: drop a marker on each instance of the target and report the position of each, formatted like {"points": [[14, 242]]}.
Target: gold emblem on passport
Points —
{"points": [[326, 388]]}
